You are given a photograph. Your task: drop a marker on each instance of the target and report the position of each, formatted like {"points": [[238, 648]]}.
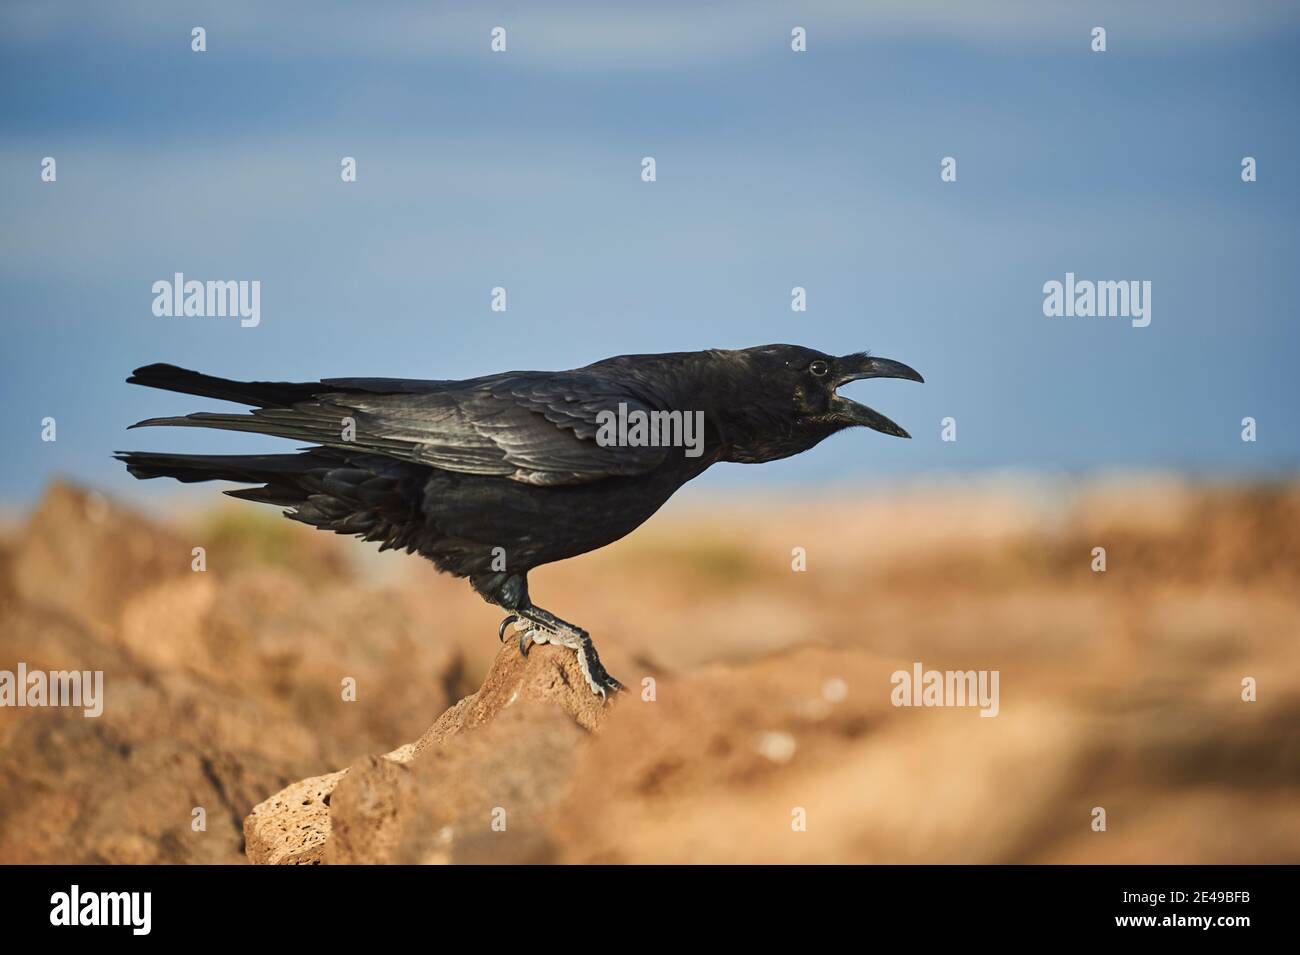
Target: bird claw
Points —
{"points": [[529, 632], [501, 630]]}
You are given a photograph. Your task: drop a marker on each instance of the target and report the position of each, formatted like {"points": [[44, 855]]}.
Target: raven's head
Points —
{"points": [[792, 401]]}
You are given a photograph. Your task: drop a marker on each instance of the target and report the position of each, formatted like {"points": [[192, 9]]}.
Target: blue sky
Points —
{"points": [[775, 169]]}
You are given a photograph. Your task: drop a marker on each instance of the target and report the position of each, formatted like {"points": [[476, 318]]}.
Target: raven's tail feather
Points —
{"points": [[372, 497], [263, 394], [285, 478], [282, 409], [243, 468]]}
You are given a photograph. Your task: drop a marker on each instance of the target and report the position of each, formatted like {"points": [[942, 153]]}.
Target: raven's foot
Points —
{"points": [[593, 670], [550, 629]]}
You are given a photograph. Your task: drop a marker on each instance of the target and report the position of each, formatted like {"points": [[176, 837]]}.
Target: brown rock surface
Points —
{"points": [[216, 686], [798, 758], [477, 796], [291, 827], [496, 758], [767, 706], [81, 555]]}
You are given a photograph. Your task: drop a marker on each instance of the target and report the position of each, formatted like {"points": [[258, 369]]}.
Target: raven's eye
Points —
{"points": [[819, 368]]}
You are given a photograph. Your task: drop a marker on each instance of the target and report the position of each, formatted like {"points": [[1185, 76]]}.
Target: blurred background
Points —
{"points": [[775, 169]]}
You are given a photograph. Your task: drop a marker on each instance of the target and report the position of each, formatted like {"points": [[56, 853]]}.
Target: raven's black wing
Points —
{"points": [[532, 427]]}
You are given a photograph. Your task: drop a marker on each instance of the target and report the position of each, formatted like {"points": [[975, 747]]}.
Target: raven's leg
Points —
{"points": [[548, 628]]}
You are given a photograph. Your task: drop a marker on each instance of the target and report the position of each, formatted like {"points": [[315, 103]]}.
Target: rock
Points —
{"points": [[218, 687], [291, 827], [261, 638], [548, 676], [85, 556], [86, 790], [801, 758], [474, 786], [478, 796], [8, 591], [767, 734]]}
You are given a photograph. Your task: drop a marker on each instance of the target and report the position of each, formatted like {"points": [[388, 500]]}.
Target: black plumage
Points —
{"points": [[491, 477]]}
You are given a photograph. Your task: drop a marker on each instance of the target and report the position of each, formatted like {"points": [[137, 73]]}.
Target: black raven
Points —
{"points": [[491, 477]]}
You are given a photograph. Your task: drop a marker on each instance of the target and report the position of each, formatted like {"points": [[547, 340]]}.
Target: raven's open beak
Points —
{"points": [[857, 367]]}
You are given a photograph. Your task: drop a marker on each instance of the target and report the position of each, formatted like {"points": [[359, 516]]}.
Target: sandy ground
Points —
{"points": [[759, 726]]}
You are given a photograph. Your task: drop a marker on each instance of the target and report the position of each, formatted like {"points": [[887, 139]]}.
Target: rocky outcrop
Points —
{"points": [[490, 765], [219, 686], [84, 557], [795, 758], [758, 726], [291, 827]]}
